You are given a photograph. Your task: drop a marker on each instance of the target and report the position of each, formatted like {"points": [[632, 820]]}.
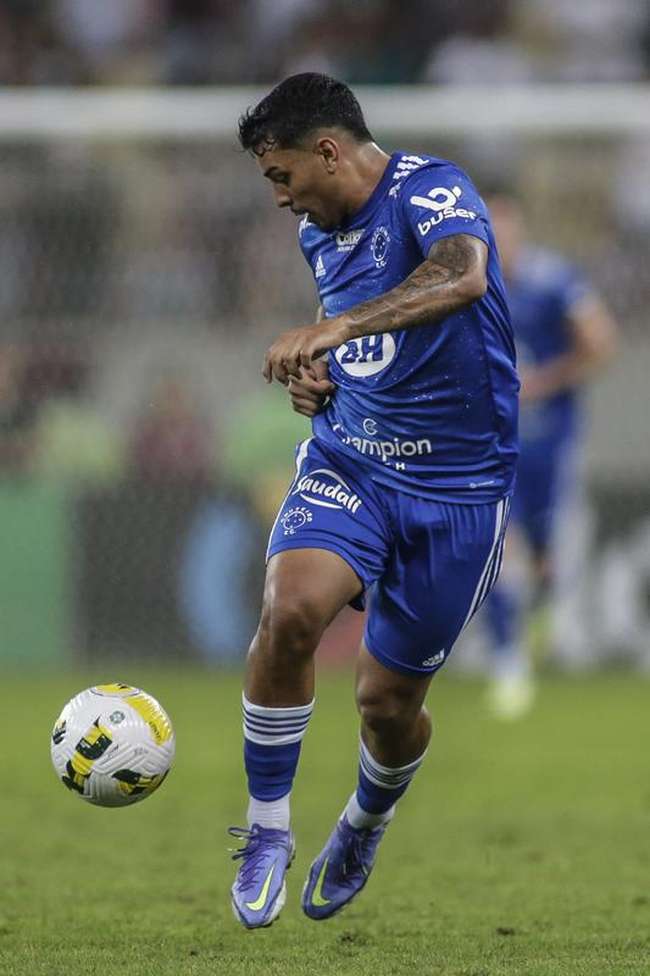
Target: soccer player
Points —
{"points": [[404, 486], [563, 334]]}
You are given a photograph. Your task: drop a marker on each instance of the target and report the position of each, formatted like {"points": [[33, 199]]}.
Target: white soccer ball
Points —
{"points": [[113, 745]]}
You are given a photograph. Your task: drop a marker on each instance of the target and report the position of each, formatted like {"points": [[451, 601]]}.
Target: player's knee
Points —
{"points": [[291, 625], [385, 712]]}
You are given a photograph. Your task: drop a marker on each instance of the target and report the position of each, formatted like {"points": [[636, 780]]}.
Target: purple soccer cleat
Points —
{"points": [[341, 869], [259, 890]]}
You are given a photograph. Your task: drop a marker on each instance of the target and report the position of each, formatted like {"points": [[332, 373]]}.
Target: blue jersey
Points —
{"points": [[541, 293], [430, 410]]}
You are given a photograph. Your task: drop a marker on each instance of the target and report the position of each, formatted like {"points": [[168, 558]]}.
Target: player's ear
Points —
{"points": [[328, 151]]}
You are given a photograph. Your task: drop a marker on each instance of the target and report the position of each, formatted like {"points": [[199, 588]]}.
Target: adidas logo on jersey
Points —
{"points": [[405, 166], [430, 662], [303, 225], [408, 164], [319, 270]]}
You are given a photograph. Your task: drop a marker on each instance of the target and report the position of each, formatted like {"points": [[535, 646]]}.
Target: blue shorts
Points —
{"points": [[547, 478], [430, 564]]}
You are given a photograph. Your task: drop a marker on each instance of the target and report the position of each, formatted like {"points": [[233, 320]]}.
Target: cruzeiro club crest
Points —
{"points": [[294, 519], [379, 246]]}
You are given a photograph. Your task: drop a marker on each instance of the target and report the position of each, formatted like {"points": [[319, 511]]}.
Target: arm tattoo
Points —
{"points": [[437, 287], [453, 256]]}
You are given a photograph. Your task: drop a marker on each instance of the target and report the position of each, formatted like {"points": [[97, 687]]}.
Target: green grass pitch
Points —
{"points": [[520, 849]]}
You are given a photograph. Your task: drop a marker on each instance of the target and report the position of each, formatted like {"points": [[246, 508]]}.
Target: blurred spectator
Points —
{"points": [[31, 376], [68, 199], [18, 411], [116, 40], [180, 262], [54, 368], [595, 40], [77, 446], [280, 21], [373, 42], [172, 440], [203, 42], [480, 49], [33, 51], [315, 46]]}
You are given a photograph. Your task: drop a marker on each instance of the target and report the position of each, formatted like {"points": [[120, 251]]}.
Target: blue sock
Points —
{"points": [[503, 615], [272, 739], [380, 787], [505, 619]]}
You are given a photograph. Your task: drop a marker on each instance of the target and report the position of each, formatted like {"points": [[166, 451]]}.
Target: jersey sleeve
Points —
{"points": [[441, 202]]}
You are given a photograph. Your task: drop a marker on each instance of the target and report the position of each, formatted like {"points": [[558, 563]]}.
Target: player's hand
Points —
{"points": [[310, 392], [298, 348]]}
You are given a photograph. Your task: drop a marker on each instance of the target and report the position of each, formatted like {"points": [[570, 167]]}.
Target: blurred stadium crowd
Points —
{"points": [[203, 42], [140, 282]]}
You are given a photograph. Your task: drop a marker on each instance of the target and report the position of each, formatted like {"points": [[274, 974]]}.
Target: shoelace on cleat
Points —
{"points": [[254, 838], [362, 844]]}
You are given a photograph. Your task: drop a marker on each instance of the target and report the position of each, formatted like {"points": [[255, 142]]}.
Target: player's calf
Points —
{"points": [[272, 739], [304, 591], [395, 731], [343, 867]]}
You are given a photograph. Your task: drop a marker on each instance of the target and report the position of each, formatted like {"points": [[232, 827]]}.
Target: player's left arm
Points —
{"points": [[452, 276], [593, 333], [310, 392]]}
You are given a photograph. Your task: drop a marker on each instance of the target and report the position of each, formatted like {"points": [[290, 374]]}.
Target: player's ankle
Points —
{"points": [[274, 814], [361, 819]]}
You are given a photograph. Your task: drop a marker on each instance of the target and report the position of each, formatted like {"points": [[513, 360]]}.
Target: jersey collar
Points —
{"points": [[376, 195]]}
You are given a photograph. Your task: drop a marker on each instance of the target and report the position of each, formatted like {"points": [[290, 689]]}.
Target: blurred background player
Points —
{"points": [[564, 335]]}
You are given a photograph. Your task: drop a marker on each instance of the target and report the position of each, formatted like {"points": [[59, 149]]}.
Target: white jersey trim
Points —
{"points": [[493, 562], [300, 457]]}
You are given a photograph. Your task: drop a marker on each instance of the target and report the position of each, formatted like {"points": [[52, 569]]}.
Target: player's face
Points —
{"points": [[302, 182]]}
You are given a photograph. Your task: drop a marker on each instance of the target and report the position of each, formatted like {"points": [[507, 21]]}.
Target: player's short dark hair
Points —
{"points": [[297, 106]]}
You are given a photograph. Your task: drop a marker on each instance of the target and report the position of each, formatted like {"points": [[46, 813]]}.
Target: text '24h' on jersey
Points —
{"points": [[430, 410]]}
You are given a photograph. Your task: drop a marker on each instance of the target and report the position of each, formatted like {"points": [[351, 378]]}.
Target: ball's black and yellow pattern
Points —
{"points": [[112, 745]]}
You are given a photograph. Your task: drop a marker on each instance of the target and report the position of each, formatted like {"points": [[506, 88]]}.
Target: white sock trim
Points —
{"points": [[275, 814], [275, 726], [387, 777], [269, 711], [360, 818]]}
